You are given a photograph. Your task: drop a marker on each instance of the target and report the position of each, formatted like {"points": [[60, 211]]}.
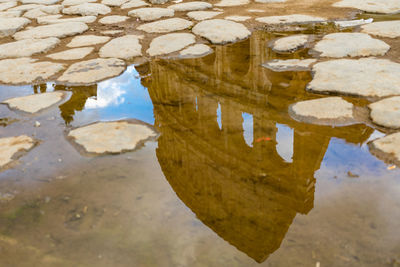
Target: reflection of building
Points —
{"points": [[248, 194]]}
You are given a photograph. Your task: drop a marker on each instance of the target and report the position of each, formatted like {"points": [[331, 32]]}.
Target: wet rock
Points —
{"points": [[151, 13], [190, 6], [290, 19], [169, 43], [323, 111], [225, 3], [238, 18], [87, 40], [76, 2], [196, 50], [10, 14], [125, 47], [386, 112], [87, 9], [387, 148], [202, 15], [167, 25], [368, 77], [121, 136], [113, 19], [290, 43], [40, 2], [56, 19], [27, 47], [134, 4], [390, 29], [346, 44], [8, 26], [7, 5], [289, 64], [220, 31], [92, 71], [352, 23], [72, 54], [58, 30], [27, 70], [113, 2], [11, 148], [35, 103], [373, 6]]}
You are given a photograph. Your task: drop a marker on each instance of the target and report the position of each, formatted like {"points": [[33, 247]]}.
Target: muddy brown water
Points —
{"points": [[231, 181]]}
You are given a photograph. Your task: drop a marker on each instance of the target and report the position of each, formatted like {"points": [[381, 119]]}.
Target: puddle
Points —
{"points": [[232, 180]]}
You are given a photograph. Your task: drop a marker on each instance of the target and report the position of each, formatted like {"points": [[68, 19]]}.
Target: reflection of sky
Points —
{"points": [[248, 128], [284, 139], [218, 115]]}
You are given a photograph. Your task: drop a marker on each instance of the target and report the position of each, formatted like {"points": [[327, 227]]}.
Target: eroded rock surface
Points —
{"points": [[14, 147], [387, 148], [87, 9], [290, 43], [113, 19], [290, 19], [151, 13], [169, 43], [72, 54], [227, 3], [191, 6], [289, 64], [220, 31], [386, 112], [8, 26], [203, 15], [57, 19], [373, 6], [27, 47], [196, 50], [35, 103], [390, 29], [58, 30], [126, 47], [87, 40], [166, 25]]}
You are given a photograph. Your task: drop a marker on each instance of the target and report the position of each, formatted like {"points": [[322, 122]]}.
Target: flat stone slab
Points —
{"points": [[14, 147], [346, 44], [112, 32], [125, 47], [7, 5], [24, 8], [323, 111], [10, 14], [352, 23], [35, 103], [40, 2], [57, 19], [196, 50], [387, 148], [368, 77], [114, 2], [390, 29], [290, 43], [58, 30], [87, 40], [166, 25], [27, 70], [8, 26], [227, 3], [202, 15], [87, 9], [373, 6], [169, 43], [121, 136], [134, 4], [220, 31], [289, 64], [238, 18], [190, 6], [76, 2], [72, 54], [92, 71], [290, 19], [386, 112], [113, 19], [27, 47], [151, 13]]}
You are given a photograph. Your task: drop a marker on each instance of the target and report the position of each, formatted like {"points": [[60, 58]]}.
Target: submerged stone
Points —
{"points": [[387, 148], [190, 6], [27, 47], [169, 43], [346, 44], [8, 26], [151, 13], [202, 15], [58, 30], [368, 77], [289, 64], [126, 47], [87, 40], [386, 112], [92, 71], [390, 29], [14, 147], [290, 19], [72, 54], [373, 6], [113, 19], [121, 136], [220, 31], [35, 103], [196, 50], [225, 3], [166, 25], [87, 9], [323, 111], [290, 43]]}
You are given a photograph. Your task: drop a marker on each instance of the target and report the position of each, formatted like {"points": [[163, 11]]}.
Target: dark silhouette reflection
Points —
{"points": [[246, 192]]}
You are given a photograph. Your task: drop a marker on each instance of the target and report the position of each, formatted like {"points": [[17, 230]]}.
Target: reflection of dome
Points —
{"points": [[248, 195]]}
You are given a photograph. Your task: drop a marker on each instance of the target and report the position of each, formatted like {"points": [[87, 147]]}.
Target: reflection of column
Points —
{"points": [[207, 115]]}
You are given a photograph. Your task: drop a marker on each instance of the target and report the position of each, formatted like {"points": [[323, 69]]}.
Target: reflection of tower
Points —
{"points": [[249, 195]]}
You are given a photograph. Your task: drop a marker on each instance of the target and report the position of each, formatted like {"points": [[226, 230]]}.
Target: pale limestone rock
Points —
{"points": [[11, 147], [352, 23], [10, 14], [202, 15], [169, 43], [190, 6], [7, 5], [113, 19], [158, 2], [290, 19], [151, 13], [87, 9], [112, 32], [76, 2], [40, 2], [125, 47], [43, 11], [166, 25], [290, 43], [368, 77], [323, 111], [87, 40], [8, 26], [227, 3], [27, 70], [387, 148], [58, 30], [134, 4], [270, 1], [373, 6], [35, 103], [196, 50], [121, 136], [34, 13], [72, 54], [352, 44], [256, 10], [289, 64], [24, 8], [57, 19], [238, 18], [113, 2], [220, 31], [390, 29], [386, 112], [27, 47], [52, 9], [92, 71]]}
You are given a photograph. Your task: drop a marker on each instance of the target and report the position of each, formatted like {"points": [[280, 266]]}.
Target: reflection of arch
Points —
{"points": [[239, 58]]}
